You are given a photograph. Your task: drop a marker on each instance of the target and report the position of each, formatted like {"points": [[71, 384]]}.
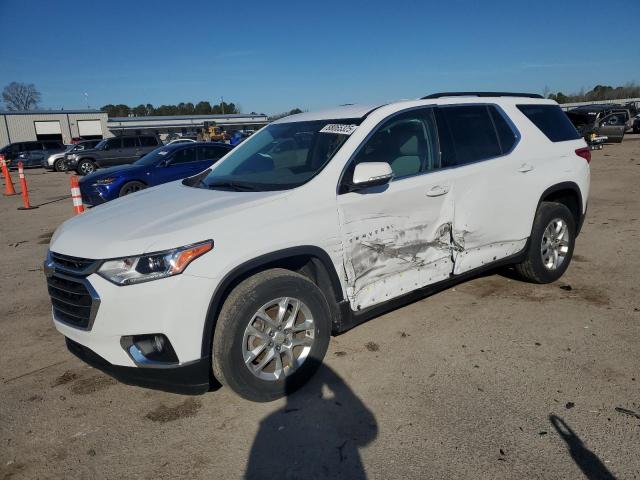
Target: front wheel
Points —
{"points": [[131, 187], [85, 167], [271, 336], [60, 165], [550, 245]]}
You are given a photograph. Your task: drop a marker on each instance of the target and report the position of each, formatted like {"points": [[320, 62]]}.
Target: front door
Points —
{"points": [[396, 238], [112, 155], [613, 127]]}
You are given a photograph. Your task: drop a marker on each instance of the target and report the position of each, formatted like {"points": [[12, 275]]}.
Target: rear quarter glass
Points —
{"points": [[552, 121]]}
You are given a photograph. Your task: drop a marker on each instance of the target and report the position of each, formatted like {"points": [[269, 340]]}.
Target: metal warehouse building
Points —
{"points": [[182, 124], [63, 125]]}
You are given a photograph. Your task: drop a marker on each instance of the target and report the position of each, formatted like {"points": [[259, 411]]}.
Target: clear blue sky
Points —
{"points": [[271, 56]]}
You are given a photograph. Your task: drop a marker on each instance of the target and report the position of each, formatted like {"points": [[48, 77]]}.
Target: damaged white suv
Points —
{"points": [[314, 224]]}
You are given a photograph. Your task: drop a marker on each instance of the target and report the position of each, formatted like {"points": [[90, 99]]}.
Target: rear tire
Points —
{"points": [[550, 245], [85, 167], [240, 332], [131, 187]]}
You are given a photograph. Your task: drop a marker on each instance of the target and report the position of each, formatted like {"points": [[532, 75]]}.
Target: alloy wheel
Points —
{"points": [[555, 244]]}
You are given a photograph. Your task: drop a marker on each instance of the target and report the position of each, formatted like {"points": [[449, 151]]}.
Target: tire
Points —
{"points": [[538, 265], [59, 165], [85, 167], [131, 187], [231, 342]]}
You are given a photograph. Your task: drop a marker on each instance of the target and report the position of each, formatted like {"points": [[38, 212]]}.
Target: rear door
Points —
{"points": [[477, 143], [613, 126]]}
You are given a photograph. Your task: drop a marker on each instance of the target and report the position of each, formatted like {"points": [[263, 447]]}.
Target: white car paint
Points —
{"points": [[419, 231]]}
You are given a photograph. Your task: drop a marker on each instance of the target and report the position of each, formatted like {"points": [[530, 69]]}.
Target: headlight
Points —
{"points": [[103, 181], [144, 268]]}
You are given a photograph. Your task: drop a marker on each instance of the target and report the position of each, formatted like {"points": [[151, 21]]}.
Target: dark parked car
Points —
{"points": [[636, 124], [30, 154], [165, 164], [112, 152]]}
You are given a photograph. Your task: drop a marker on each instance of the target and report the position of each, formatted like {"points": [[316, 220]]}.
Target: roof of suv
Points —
{"points": [[360, 111]]}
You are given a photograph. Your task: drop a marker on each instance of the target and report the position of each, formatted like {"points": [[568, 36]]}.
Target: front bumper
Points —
{"points": [[192, 378]]}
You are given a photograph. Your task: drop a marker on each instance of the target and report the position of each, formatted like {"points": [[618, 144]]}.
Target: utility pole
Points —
{"points": [[222, 104]]}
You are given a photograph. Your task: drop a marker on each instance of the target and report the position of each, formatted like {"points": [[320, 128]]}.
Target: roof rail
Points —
{"points": [[481, 94]]}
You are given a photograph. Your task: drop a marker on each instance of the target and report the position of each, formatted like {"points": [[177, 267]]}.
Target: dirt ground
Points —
{"points": [[494, 378]]}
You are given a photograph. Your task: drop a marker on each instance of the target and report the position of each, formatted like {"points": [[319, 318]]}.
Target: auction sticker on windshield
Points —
{"points": [[339, 129]]}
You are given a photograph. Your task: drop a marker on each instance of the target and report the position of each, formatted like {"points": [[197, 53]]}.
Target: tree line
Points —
{"points": [[598, 93], [200, 108]]}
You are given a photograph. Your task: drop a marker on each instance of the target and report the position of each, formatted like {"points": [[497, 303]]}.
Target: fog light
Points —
{"points": [[149, 350]]}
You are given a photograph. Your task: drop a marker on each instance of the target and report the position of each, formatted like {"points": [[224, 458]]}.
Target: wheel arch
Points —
{"points": [[568, 194], [311, 261]]}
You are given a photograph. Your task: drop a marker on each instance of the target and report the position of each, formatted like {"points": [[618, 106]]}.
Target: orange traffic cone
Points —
{"points": [[25, 191], [76, 196], [8, 183]]}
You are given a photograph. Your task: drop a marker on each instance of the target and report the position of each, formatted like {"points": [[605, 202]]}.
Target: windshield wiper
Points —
{"points": [[238, 187]]}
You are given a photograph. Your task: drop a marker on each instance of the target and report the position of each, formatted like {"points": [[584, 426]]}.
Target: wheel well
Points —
{"points": [[567, 196], [316, 266]]}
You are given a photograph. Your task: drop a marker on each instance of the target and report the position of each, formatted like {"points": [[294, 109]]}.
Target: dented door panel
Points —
{"points": [[395, 240]]}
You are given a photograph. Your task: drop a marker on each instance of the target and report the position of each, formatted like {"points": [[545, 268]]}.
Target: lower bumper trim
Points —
{"points": [[194, 378]]}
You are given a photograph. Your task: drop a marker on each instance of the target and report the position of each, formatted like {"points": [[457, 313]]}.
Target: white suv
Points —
{"points": [[314, 224]]}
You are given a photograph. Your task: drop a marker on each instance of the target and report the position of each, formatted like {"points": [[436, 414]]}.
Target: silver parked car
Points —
{"points": [[56, 161]]}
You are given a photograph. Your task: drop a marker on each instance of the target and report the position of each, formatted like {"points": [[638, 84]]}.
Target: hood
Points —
{"points": [[158, 218]]}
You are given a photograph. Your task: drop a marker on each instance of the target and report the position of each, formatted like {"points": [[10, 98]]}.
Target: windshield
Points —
{"points": [[280, 156], [101, 144], [154, 156]]}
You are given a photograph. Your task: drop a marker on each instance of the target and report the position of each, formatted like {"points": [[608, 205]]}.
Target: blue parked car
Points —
{"points": [[162, 165]]}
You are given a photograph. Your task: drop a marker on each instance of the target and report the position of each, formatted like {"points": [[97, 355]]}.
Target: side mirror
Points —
{"points": [[371, 174]]}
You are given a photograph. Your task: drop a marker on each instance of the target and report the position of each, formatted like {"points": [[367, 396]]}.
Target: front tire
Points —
{"points": [[85, 167], [131, 187], [271, 336], [550, 245], [60, 165]]}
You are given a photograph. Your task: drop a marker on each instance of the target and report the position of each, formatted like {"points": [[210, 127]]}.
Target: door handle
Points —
{"points": [[525, 167], [438, 190]]}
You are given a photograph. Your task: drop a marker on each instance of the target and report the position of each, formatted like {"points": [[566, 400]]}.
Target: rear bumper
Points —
{"points": [[192, 378]]}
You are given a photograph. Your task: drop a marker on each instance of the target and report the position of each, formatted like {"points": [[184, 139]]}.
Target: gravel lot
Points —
{"points": [[494, 378]]}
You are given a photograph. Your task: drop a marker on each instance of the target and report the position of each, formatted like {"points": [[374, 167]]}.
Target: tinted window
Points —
{"points": [[551, 121], [467, 135], [32, 146], [129, 142], [185, 155], [617, 119], [148, 141], [114, 143], [52, 146], [211, 153], [506, 136], [407, 142]]}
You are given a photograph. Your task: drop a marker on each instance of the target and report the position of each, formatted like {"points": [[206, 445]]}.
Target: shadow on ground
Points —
{"points": [[591, 466], [316, 435]]}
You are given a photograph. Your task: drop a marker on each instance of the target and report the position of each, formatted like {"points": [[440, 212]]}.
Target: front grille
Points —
{"points": [[72, 264], [72, 301]]}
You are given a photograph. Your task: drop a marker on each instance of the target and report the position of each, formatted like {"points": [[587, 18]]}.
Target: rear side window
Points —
{"points": [[211, 153], [467, 135], [551, 121], [148, 141]]}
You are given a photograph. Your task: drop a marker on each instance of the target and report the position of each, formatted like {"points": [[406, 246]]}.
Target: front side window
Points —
{"points": [[33, 146], [113, 143], [467, 134], [129, 142], [148, 141], [185, 155], [407, 142], [280, 156]]}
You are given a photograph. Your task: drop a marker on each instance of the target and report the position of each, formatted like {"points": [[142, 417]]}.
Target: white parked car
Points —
{"points": [[314, 224]]}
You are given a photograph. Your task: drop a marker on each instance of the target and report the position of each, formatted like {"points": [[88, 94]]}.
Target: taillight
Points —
{"points": [[584, 152]]}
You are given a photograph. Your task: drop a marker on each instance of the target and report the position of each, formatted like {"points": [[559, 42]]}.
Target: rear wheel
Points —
{"points": [[131, 187], [85, 167], [550, 245], [60, 165], [271, 336]]}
